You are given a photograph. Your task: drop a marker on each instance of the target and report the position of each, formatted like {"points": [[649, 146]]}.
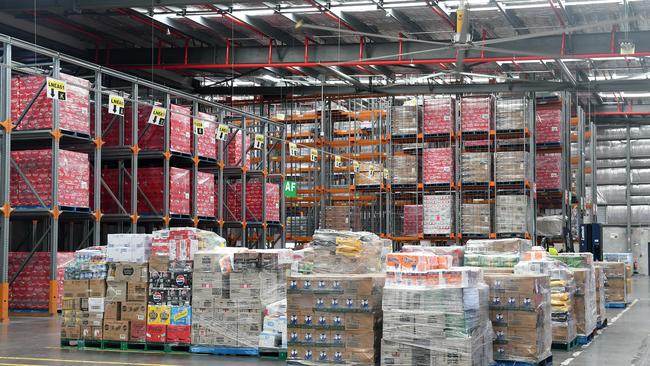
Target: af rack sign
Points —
{"points": [[55, 89]]}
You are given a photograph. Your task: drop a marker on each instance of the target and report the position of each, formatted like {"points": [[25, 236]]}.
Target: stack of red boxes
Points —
{"points": [[30, 291], [206, 144], [36, 165], [437, 165], [253, 201], [235, 150], [151, 182], [475, 114], [150, 136], [413, 219], [438, 116], [547, 124], [205, 194], [74, 111], [547, 169]]}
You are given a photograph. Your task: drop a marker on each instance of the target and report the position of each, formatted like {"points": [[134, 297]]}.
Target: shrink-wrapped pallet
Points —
{"points": [[511, 214], [404, 120], [475, 219], [511, 166], [438, 214], [511, 114]]}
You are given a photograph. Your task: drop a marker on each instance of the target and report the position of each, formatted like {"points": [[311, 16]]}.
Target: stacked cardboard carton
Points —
{"points": [[413, 220], [475, 218], [370, 174], [438, 115], [334, 318], [31, 289], [125, 309], [476, 167], [231, 290], [438, 214], [437, 165], [520, 311], [346, 252], [600, 294], [547, 124], [457, 252], [236, 149], [511, 214], [511, 166], [434, 315], [205, 194], [475, 114], [340, 218], [403, 168], [405, 120], [36, 165], [84, 289], [616, 283], [254, 201], [498, 253], [563, 323], [73, 112], [547, 169], [206, 144], [511, 114]]}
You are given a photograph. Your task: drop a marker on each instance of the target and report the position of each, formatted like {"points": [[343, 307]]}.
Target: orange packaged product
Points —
{"points": [[444, 261]]}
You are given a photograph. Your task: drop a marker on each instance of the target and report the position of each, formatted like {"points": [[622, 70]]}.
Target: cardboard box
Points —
{"points": [[96, 304], [158, 314], [70, 332], [96, 288], [75, 288], [181, 315], [90, 332], [116, 330], [179, 333], [136, 291], [71, 303], [137, 331], [124, 271], [134, 311], [112, 310], [115, 291], [156, 333], [134, 248]]}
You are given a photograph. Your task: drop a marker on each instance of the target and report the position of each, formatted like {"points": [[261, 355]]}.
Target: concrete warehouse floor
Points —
{"points": [[35, 341]]}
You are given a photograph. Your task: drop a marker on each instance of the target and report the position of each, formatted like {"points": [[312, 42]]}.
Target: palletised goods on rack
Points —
{"points": [[340, 218], [547, 124], [520, 311], [36, 165], [31, 289], [475, 218], [413, 219], [437, 165], [475, 167], [510, 114], [438, 115], [511, 214], [236, 152], [476, 114], [370, 174], [433, 314], [547, 170], [405, 120], [438, 214], [404, 169], [254, 201], [205, 194], [511, 166], [74, 112], [206, 144]]}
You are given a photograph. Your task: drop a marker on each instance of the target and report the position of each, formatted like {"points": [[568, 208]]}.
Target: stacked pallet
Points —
{"points": [[438, 115]]}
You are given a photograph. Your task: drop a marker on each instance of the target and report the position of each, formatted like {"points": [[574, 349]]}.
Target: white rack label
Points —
{"points": [[313, 155], [222, 132], [259, 141], [55, 89], [157, 116], [337, 161], [116, 105], [371, 170], [198, 127], [293, 149]]}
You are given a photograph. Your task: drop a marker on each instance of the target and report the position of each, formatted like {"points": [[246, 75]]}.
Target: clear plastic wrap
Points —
{"points": [[334, 318], [413, 220], [511, 114], [627, 258], [511, 166], [617, 215], [549, 226], [438, 214], [475, 218], [616, 284], [438, 115], [340, 218], [475, 113], [600, 294], [231, 290], [364, 178], [476, 167], [562, 284], [405, 120], [436, 323], [437, 165], [495, 253], [457, 252], [346, 252], [520, 311], [511, 214], [403, 168]]}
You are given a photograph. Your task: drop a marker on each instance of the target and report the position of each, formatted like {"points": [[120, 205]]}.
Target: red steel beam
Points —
{"points": [[240, 23], [396, 62], [328, 13], [557, 13]]}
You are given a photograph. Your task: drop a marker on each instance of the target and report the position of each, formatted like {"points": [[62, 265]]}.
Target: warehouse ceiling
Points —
{"points": [[349, 46]]}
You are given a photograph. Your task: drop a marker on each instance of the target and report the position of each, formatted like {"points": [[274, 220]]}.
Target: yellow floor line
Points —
{"points": [[84, 361], [140, 351], [19, 364]]}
